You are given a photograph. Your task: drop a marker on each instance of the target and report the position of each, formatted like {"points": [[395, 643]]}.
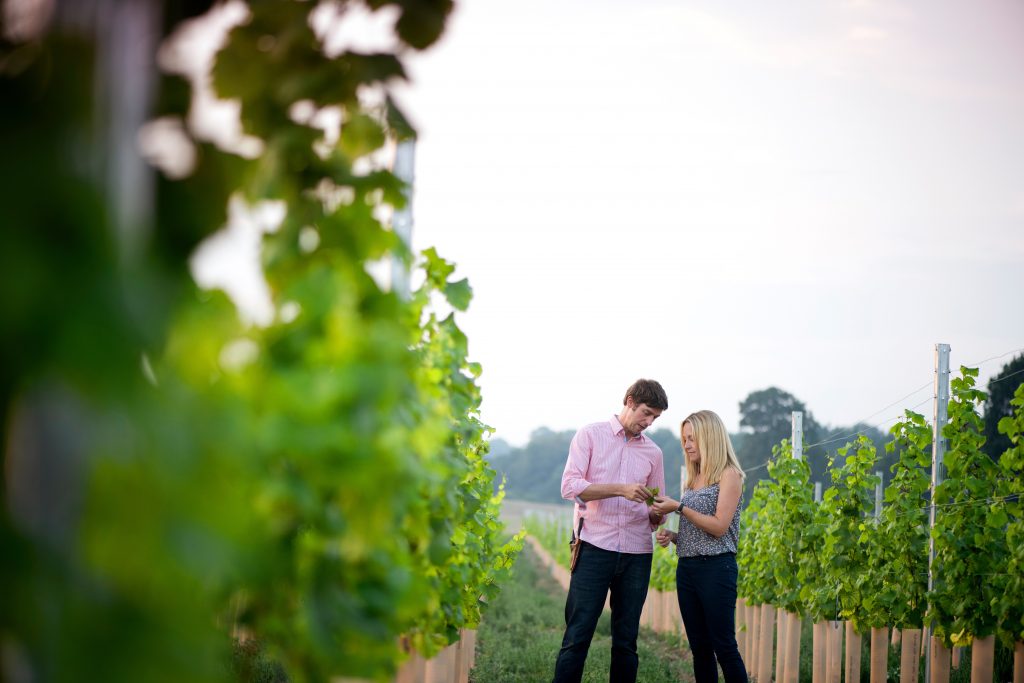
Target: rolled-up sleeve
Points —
{"points": [[574, 478]]}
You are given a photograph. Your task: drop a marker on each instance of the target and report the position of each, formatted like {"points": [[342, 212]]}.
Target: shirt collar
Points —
{"points": [[619, 431]]}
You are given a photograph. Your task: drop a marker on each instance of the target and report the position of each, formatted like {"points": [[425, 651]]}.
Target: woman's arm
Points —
{"points": [[663, 505], [728, 498]]}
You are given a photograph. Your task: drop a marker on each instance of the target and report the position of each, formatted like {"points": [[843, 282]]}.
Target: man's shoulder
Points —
{"points": [[602, 428]]}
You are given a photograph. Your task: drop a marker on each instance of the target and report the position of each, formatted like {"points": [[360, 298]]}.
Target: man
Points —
{"points": [[610, 473]]}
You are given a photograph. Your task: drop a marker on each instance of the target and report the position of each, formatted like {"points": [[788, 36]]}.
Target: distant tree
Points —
{"points": [[768, 412], [498, 448], [765, 420], [534, 472], [672, 449], [997, 406]]}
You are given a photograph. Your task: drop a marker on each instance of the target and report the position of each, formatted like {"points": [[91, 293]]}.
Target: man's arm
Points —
{"points": [[575, 485], [577, 465], [635, 492]]}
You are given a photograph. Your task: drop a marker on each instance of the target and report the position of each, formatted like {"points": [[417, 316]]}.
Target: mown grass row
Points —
{"points": [[521, 633]]}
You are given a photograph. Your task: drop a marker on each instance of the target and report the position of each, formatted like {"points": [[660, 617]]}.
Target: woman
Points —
{"points": [[709, 527]]}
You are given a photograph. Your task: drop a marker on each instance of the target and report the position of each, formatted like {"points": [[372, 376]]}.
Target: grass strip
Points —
{"points": [[521, 634]]}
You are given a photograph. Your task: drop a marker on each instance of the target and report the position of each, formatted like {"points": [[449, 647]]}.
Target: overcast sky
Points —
{"points": [[724, 197]]}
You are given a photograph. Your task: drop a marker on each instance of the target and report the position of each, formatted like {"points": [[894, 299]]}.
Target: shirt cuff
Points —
{"points": [[574, 489]]}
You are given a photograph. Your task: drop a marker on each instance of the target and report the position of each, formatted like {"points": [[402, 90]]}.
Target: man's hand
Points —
{"points": [[664, 537], [635, 492]]}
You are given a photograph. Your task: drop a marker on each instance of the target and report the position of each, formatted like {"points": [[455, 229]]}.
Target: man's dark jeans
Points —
{"points": [[706, 588], [597, 571]]}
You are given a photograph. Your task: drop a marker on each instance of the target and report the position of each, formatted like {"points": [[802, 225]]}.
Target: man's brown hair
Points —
{"points": [[647, 391]]}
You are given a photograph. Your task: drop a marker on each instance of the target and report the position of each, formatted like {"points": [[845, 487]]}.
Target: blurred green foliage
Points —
{"points": [[326, 494]]}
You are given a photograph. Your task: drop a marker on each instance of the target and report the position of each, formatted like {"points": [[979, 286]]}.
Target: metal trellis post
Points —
{"points": [[941, 401], [798, 435]]}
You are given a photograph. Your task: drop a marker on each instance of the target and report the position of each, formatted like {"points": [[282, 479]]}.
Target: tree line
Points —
{"points": [[533, 471]]}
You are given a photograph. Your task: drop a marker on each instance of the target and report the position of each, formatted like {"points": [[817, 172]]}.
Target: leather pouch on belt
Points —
{"points": [[575, 545]]}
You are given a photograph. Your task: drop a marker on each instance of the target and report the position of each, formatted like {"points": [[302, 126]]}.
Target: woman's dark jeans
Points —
{"points": [[706, 588], [597, 571]]}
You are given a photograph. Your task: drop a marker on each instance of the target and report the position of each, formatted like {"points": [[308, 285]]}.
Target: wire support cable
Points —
{"points": [[1002, 355], [864, 431]]}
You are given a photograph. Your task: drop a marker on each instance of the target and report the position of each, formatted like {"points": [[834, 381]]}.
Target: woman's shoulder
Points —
{"points": [[731, 474], [729, 478]]}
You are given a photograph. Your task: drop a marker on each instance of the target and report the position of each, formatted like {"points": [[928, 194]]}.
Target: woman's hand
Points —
{"points": [[664, 537], [664, 505]]}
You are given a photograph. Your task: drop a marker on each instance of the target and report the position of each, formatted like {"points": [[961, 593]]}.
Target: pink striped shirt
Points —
{"points": [[600, 453]]}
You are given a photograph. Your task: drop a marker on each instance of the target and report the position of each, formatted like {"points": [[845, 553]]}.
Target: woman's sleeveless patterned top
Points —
{"points": [[693, 541]]}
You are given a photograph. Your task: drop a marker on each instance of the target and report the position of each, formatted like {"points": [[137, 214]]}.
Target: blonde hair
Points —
{"points": [[716, 452]]}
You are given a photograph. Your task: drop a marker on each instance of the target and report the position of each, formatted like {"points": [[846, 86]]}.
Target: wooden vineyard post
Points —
{"points": [[763, 672], [752, 632], [675, 617], [983, 659], [938, 661], [780, 645], [465, 656], [413, 671], [792, 671], [754, 646], [910, 655], [740, 627], [834, 647], [664, 624], [852, 653], [669, 611], [442, 668], [879, 654], [655, 607], [819, 652], [1018, 662], [654, 600]]}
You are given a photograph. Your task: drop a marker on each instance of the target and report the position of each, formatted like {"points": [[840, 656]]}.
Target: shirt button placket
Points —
{"points": [[622, 477]]}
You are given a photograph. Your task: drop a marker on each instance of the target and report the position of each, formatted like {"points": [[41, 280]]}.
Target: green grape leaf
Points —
{"points": [[654, 492]]}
